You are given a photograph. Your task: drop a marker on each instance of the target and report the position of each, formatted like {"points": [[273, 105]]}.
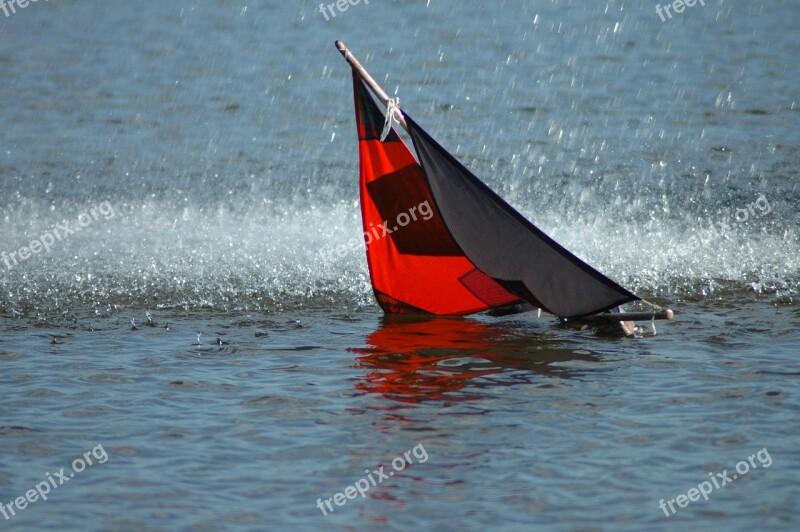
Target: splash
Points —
{"points": [[281, 256]]}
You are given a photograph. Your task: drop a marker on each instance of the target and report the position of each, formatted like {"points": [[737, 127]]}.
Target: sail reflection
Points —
{"points": [[413, 359]]}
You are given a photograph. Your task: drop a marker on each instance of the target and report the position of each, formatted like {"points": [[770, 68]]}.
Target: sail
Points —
{"points": [[415, 265], [505, 246]]}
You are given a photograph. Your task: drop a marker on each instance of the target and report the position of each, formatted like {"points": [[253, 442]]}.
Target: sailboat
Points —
{"points": [[440, 242]]}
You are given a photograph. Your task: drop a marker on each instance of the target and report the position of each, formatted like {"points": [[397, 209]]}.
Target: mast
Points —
{"points": [[370, 81]]}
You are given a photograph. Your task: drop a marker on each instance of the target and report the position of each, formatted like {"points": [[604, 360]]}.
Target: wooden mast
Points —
{"points": [[370, 81]]}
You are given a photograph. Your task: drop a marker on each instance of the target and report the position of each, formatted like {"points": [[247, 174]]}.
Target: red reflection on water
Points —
{"points": [[414, 359]]}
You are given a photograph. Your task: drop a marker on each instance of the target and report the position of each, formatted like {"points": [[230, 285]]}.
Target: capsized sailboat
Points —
{"points": [[441, 242]]}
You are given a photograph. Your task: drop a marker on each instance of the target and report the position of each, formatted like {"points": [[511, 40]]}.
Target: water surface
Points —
{"points": [[201, 328]]}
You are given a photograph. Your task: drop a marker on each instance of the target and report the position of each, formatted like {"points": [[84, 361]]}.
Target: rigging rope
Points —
{"points": [[392, 106], [653, 319], [652, 305]]}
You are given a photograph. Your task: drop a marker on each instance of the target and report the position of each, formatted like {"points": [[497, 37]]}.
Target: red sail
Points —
{"points": [[415, 265]]}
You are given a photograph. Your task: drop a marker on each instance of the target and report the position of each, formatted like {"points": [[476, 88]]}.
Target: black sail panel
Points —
{"points": [[507, 247]]}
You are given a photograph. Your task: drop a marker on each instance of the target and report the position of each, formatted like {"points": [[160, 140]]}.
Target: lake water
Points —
{"points": [[189, 170]]}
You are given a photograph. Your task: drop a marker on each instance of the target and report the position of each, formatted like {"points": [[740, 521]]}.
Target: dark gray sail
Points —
{"points": [[507, 247]]}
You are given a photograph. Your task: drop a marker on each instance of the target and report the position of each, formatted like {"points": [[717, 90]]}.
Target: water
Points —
{"points": [[206, 151]]}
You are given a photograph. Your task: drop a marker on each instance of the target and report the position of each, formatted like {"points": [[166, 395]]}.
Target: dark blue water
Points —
{"points": [[189, 169]]}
